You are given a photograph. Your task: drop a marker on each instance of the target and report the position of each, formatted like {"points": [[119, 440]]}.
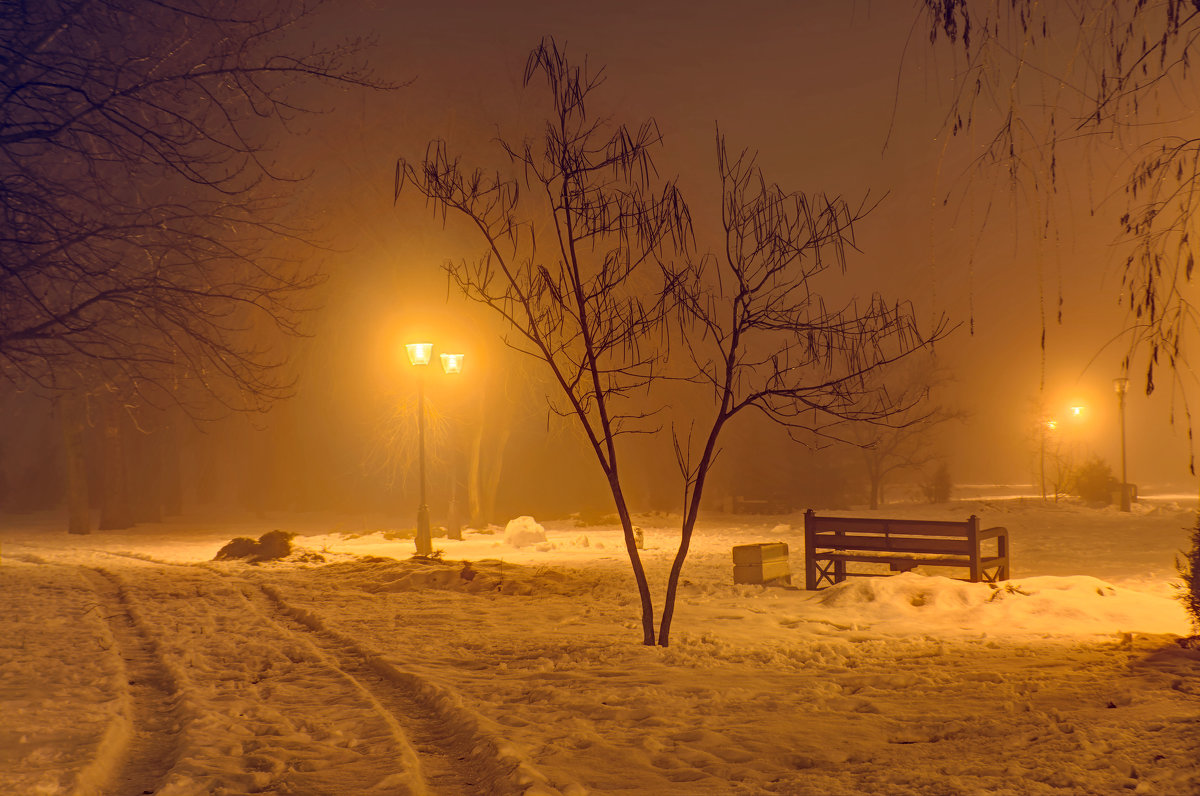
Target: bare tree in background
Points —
{"points": [[761, 337], [905, 440], [146, 254], [1036, 82], [571, 261]]}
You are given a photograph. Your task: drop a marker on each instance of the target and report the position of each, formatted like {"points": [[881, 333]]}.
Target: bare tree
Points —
{"points": [[570, 261], [1037, 83], [146, 251], [602, 304], [761, 337], [905, 440], [143, 217]]}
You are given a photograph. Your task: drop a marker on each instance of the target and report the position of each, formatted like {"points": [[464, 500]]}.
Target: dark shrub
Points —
{"points": [[271, 546], [1094, 481], [1189, 570], [938, 486]]}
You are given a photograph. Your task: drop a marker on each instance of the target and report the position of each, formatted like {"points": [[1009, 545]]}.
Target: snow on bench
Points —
{"points": [[832, 542]]}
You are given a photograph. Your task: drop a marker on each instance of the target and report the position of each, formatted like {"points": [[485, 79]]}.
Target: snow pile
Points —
{"points": [[1075, 605], [524, 532]]}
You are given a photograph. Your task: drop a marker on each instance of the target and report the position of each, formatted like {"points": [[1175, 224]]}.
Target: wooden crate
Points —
{"points": [[761, 563]]}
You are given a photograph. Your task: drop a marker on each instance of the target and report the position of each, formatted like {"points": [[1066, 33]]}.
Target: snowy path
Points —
{"points": [[151, 711], [446, 751], [142, 665], [216, 685]]}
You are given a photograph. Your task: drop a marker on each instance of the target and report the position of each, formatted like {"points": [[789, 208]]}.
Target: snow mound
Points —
{"points": [[908, 588], [1050, 605], [523, 532]]}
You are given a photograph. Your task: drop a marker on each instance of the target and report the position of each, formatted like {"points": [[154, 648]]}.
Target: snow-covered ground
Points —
{"points": [[132, 663]]}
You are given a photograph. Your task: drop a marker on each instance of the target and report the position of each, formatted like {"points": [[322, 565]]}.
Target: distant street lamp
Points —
{"points": [[1121, 386], [1047, 425], [419, 354]]}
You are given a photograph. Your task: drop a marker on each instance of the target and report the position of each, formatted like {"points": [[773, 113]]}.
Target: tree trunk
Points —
{"points": [[875, 479], [115, 511], [484, 468], [691, 512], [70, 412], [144, 460], [475, 513], [635, 560], [172, 478], [491, 484]]}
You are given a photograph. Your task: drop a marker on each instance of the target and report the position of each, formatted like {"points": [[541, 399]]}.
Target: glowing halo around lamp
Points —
{"points": [[452, 363], [419, 353]]}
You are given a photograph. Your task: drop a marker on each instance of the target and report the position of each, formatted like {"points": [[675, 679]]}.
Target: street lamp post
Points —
{"points": [[1048, 424], [1121, 386], [451, 364], [420, 354]]}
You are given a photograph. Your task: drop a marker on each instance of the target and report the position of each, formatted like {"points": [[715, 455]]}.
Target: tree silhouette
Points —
{"points": [[145, 241], [761, 337], [146, 254], [572, 261], [614, 295]]}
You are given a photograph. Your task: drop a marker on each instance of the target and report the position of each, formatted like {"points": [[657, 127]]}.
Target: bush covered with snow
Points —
{"points": [[523, 532]]}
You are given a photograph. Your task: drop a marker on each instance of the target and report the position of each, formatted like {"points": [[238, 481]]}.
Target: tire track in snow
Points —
{"points": [[150, 708], [455, 754], [268, 757], [442, 747]]}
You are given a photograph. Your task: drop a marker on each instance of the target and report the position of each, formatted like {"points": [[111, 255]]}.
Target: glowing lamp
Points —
{"points": [[452, 363], [1051, 424], [1077, 411], [420, 353]]}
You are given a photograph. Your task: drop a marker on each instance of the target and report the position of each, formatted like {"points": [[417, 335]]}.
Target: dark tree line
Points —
{"points": [[146, 259]]}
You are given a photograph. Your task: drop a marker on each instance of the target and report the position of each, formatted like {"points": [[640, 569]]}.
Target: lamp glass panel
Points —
{"points": [[420, 353]]}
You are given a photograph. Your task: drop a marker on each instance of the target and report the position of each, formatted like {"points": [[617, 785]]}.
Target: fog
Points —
{"points": [[830, 98]]}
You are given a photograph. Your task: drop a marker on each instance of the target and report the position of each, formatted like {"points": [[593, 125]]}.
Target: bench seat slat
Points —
{"points": [[880, 559], [902, 527], [932, 560], [892, 543]]}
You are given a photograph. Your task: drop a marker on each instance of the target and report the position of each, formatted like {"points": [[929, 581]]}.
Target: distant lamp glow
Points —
{"points": [[1121, 386], [452, 363], [1051, 424], [420, 353], [1077, 411]]}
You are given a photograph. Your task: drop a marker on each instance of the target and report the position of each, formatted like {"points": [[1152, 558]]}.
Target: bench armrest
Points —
{"points": [[995, 532]]}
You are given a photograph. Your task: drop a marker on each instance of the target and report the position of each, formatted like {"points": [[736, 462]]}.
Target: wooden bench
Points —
{"points": [[832, 542]]}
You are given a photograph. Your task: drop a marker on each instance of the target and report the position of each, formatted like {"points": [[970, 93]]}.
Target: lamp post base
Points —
{"points": [[424, 537]]}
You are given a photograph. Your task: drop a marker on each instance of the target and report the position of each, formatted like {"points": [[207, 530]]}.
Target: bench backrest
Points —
{"points": [[963, 529]]}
